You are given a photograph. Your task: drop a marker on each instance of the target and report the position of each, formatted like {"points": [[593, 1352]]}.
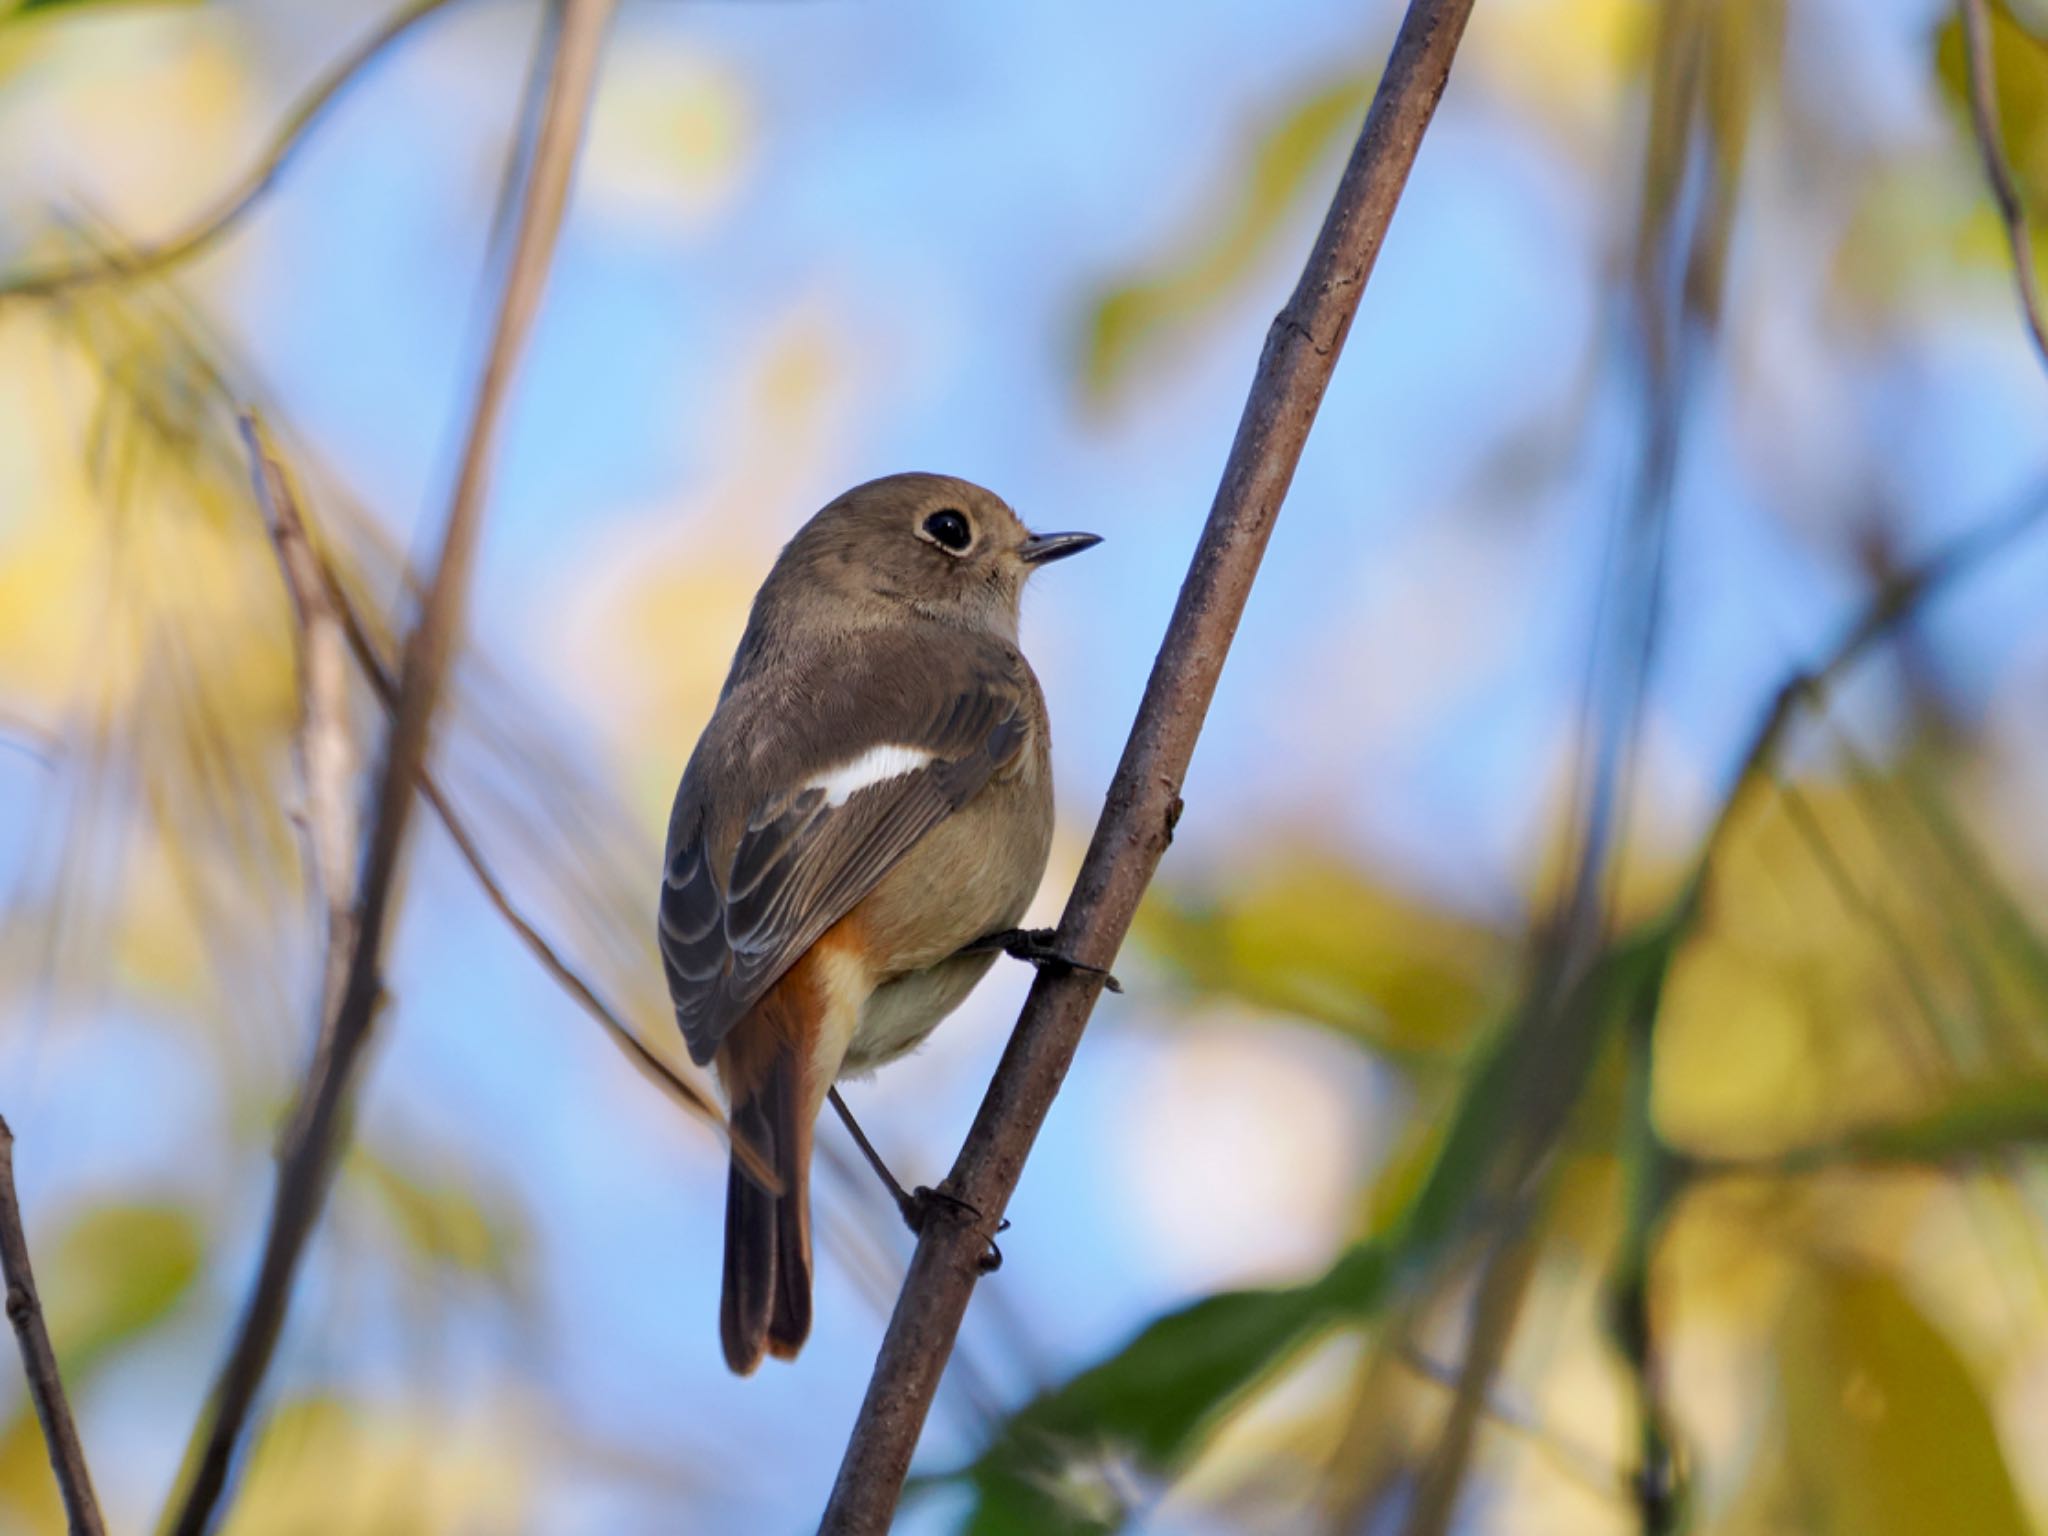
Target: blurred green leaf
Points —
{"points": [[1200, 270], [1519, 1094], [1887, 1432], [448, 1224], [116, 1272], [1054, 1468], [1310, 937], [347, 1467], [1972, 1121]]}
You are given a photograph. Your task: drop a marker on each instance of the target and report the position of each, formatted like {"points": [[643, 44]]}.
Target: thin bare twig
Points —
{"points": [[39, 744], [1144, 799], [572, 981], [327, 749], [39, 1360], [211, 225], [313, 570], [1893, 603], [331, 631], [308, 1158], [2005, 189], [1584, 1466]]}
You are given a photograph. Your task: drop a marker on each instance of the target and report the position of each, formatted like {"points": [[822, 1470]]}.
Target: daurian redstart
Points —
{"points": [[872, 796]]}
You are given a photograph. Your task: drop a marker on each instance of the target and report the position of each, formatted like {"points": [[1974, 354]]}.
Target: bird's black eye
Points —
{"points": [[949, 530]]}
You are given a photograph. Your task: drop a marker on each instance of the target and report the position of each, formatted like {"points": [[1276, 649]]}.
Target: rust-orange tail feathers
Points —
{"points": [[765, 1306]]}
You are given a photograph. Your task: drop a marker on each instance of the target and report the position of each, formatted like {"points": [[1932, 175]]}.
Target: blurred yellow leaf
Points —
{"points": [[1887, 1432], [1306, 935], [1827, 985], [149, 101], [1566, 61], [669, 136], [442, 1220], [324, 1465], [1202, 270], [28, 1491]]}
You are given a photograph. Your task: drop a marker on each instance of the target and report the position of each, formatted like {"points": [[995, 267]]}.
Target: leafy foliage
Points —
{"points": [[1887, 1432], [1311, 938], [1150, 1404]]}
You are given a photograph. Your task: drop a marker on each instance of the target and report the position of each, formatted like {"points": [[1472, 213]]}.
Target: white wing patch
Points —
{"points": [[875, 766]]}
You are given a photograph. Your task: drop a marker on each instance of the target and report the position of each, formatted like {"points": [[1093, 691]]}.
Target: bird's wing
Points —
{"points": [[748, 889]]}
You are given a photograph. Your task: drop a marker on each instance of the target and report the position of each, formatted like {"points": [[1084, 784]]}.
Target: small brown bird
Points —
{"points": [[859, 829]]}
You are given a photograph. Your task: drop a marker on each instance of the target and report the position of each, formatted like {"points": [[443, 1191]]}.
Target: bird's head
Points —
{"points": [[931, 545]]}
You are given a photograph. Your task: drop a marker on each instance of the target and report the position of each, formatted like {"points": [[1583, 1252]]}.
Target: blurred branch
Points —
{"points": [[1654, 1178], [2005, 190], [216, 221], [313, 586], [1586, 1467], [585, 995], [39, 1360], [1893, 604], [1658, 1175], [1144, 799], [1504, 1278], [1975, 1126], [1699, 87], [327, 753], [39, 744], [317, 1126]]}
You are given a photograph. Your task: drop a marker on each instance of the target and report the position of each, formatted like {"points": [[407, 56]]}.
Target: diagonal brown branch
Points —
{"points": [[308, 1157], [39, 1360], [1144, 799], [2005, 190], [215, 222]]}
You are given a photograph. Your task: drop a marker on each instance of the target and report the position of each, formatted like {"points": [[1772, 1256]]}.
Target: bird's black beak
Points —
{"points": [[1042, 548]]}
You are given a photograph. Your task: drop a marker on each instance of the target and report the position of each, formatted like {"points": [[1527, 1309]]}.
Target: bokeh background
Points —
{"points": [[1695, 331]]}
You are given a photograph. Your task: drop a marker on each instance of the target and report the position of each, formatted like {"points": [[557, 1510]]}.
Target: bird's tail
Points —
{"points": [[766, 1304]]}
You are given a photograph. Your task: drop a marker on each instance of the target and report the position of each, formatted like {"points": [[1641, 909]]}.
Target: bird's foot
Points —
{"points": [[918, 1204], [1035, 946]]}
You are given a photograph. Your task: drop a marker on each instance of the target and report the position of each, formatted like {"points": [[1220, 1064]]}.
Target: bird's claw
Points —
{"points": [[917, 1205], [1036, 946]]}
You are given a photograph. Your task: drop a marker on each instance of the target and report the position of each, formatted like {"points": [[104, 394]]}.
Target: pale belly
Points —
{"points": [[900, 1013], [972, 875]]}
